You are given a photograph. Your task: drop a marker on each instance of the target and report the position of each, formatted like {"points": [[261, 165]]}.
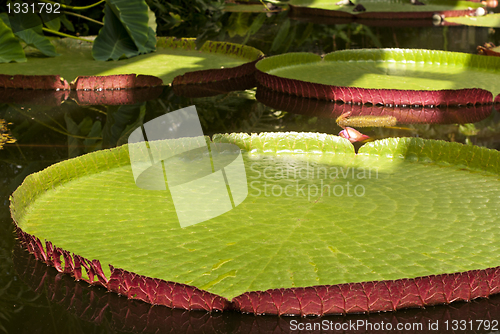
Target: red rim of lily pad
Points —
{"points": [[51, 82], [300, 10], [55, 82], [374, 296], [403, 115], [215, 88], [215, 75], [111, 82]]}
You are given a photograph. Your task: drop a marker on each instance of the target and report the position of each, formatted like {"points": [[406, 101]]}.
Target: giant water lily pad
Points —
{"points": [[383, 9], [173, 57], [317, 221], [385, 76], [490, 20]]}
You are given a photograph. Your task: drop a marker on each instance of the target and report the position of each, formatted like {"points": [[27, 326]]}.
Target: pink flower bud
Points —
{"points": [[352, 135]]}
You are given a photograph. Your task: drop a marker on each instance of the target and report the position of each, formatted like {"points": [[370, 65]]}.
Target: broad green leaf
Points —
{"points": [[11, 48], [490, 20], [54, 24], [173, 57], [135, 18], [389, 6], [51, 20], [127, 31], [389, 69], [67, 23], [151, 20], [316, 214], [28, 27], [113, 41]]}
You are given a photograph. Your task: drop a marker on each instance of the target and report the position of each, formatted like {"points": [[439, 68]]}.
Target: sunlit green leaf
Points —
{"points": [[24, 27], [173, 57], [316, 213], [490, 20]]}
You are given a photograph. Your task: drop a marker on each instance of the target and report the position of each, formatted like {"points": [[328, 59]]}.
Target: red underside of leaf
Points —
{"points": [[36, 97], [120, 81], [223, 74], [299, 10], [215, 88], [404, 115], [33, 82], [448, 97], [373, 296]]}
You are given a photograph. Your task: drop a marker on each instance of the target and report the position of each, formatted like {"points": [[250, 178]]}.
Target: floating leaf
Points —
{"points": [[173, 57], [376, 76], [382, 9], [111, 82], [33, 82], [490, 20], [286, 243], [215, 88]]}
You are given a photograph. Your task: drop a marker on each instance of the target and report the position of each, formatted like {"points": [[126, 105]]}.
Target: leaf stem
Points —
{"points": [[65, 35], [83, 17], [74, 7], [53, 128]]}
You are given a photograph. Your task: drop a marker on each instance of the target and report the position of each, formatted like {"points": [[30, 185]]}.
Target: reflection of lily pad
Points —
{"points": [[383, 9], [172, 57], [385, 76], [416, 221], [403, 115], [82, 97]]}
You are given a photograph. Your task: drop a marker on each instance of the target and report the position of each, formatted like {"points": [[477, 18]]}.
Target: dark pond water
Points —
{"points": [[34, 299]]}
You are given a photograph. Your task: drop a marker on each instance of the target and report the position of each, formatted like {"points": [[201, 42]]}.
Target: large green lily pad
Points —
{"points": [[400, 69], [173, 57], [394, 6], [316, 214], [490, 20]]}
